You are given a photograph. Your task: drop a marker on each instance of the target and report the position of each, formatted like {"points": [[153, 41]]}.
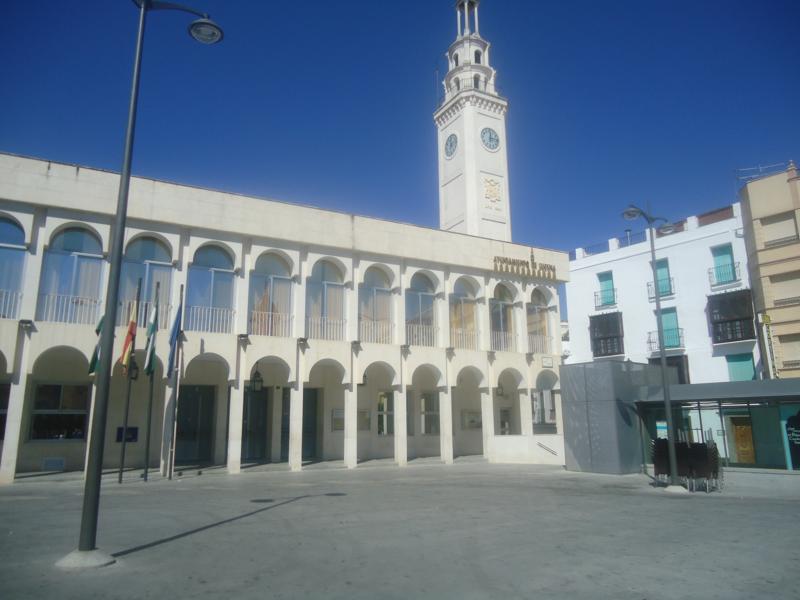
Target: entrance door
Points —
{"points": [[254, 426], [743, 438], [309, 424], [194, 441]]}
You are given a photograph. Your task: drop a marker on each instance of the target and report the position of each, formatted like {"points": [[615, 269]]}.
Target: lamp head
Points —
{"points": [[631, 213], [666, 229], [206, 31]]}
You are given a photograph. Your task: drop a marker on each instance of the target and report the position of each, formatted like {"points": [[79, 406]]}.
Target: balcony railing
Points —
{"points": [[503, 341], [270, 323], [210, 319], [666, 287], [608, 346], [466, 339], [723, 274], [420, 335], [605, 298], [323, 328], [9, 304], [673, 338], [735, 330], [68, 309], [539, 344], [124, 312], [375, 332]]}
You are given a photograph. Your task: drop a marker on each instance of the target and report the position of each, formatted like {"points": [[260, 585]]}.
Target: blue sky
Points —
{"points": [[329, 103]]}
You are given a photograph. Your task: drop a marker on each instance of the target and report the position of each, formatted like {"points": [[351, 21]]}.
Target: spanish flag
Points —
{"points": [[130, 338]]}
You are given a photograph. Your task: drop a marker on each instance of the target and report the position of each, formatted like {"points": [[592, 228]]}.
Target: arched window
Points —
{"points": [[455, 60], [538, 327], [271, 297], [478, 57], [375, 308], [69, 291], [12, 264], [463, 330], [210, 291], [149, 260], [420, 313], [502, 315], [325, 302], [544, 400]]}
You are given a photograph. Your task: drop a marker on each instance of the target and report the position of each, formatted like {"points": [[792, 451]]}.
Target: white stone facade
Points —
{"points": [[396, 373], [706, 263]]}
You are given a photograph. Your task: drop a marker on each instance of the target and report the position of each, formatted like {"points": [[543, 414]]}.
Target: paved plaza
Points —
{"points": [[470, 530]]}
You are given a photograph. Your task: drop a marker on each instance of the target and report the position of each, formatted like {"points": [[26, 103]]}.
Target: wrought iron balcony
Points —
{"points": [[724, 274], [673, 339], [9, 304], [420, 335], [68, 309], [323, 328], [503, 341], [270, 323], [375, 332], [466, 339], [539, 344], [605, 299], [210, 319], [666, 288]]}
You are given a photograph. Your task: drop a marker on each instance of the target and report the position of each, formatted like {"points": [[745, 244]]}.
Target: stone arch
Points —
{"points": [[274, 370], [7, 216], [333, 260], [547, 295], [388, 369], [335, 365], [196, 367], [384, 269], [154, 235], [220, 246], [284, 256], [547, 380], [468, 438], [69, 363], [506, 402], [471, 282], [471, 375], [77, 225]]}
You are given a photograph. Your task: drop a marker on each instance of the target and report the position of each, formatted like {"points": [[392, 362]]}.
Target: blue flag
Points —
{"points": [[174, 337]]}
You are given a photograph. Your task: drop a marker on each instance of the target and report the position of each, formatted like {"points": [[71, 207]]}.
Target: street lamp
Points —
{"points": [[631, 214], [87, 555]]}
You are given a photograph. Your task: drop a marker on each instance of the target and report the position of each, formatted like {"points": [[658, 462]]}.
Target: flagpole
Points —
{"points": [[129, 372], [176, 391], [152, 379]]}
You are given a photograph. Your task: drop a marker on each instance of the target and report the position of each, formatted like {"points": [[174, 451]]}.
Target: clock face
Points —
{"points": [[450, 145], [490, 138]]}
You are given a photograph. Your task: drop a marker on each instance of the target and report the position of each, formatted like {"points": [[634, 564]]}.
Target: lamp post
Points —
{"points": [[632, 213], [204, 31]]}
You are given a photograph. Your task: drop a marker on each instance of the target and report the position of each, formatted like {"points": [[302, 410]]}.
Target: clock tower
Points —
{"points": [[471, 123]]}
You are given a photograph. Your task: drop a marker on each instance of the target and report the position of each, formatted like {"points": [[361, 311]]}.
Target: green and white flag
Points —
{"points": [[150, 348], [96, 354]]}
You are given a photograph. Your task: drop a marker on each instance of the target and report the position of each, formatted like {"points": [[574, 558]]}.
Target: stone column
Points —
{"points": [[351, 303], [350, 426], [446, 425], [235, 428], [16, 405], [296, 427], [277, 421], [400, 427], [487, 418], [525, 412]]}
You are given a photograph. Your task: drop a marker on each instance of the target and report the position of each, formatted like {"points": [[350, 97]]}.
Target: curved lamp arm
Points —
{"points": [[159, 5]]}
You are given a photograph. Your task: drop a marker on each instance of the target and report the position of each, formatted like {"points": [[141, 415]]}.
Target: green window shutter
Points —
{"points": [[606, 288], [669, 322], [662, 276], [724, 271], [741, 367]]}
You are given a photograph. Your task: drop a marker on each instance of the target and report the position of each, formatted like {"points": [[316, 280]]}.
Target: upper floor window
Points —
{"points": [[778, 229], [478, 57], [724, 270], [12, 265], [606, 334], [271, 297], [420, 314], [69, 289], [731, 317], [148, 260], [663, 280], [607, 296], [375, 307], [785, 288], [325, 302], [538, 317], [463, 316], [210, 291], [502, 317], [455, 60]]}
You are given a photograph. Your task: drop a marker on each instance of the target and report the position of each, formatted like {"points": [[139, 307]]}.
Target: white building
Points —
{"points": [[307, 334], [704, 288]]}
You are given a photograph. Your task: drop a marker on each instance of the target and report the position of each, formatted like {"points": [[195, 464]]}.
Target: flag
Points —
{"points": [[96, 354], [174, 337], [130, 338], [150, 348]]}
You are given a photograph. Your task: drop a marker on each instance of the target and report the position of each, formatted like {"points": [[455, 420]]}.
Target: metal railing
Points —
{"points": [[634, 237], [673, 338], [605, 298], [598, 248], [666, 287], [722, 274], [539, 344], [466, 339], [143, 316], [420, 335], [503, 341], [466, 84], [735, 330], [210, 319], [323, 328], [68, 309], [375, 332], [270, 323], [9, 304]]}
